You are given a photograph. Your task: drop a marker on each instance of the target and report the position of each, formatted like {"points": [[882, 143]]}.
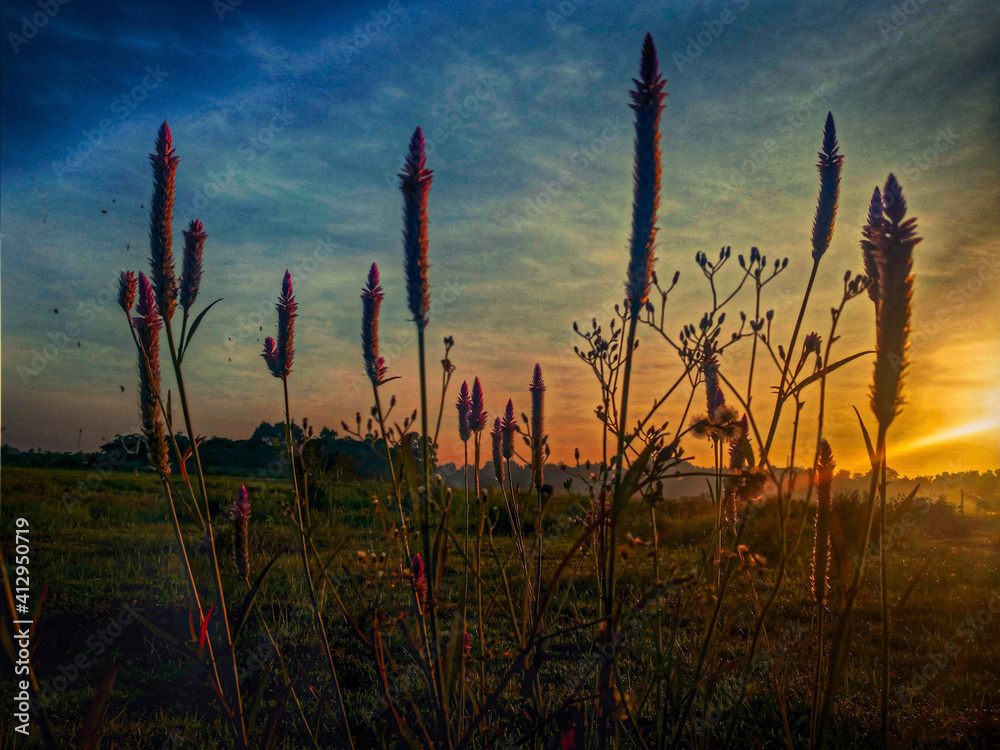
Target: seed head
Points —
{"points": [[871, 235], [508, 427], [829, 166], [824, 509], [126, 290], [477, 416], [161, 221], [371, 301], [538, 440], [415, 182], [147, 329], [194, 246], [464, 407], [278, 353], [647, 102], [239, 513], [894, 257], [497, 439]]}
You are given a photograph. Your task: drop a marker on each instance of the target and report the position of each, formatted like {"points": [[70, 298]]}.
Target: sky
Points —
{"points": [[291, 122]]}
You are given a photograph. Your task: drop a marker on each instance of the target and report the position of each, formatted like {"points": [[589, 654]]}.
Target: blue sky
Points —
{"points": [[290, 123]]}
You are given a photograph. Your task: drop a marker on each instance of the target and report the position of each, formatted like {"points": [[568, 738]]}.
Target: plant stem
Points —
{"points": [[430, 564], [609, 584], [238, 700], [779, 401], [884, 707], [305, 568]]}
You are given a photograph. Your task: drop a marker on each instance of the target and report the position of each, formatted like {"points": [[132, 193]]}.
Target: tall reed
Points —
{"points": [[647, 103]]}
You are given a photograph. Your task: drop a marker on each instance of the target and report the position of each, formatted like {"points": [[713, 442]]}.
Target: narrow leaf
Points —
{"points": [[194, 327], [828, 369], [204, 628], [868, 440], [244, 610]]}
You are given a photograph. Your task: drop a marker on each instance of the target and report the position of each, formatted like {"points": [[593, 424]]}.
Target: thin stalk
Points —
{"points": [[818, 678], [479, 573], [396, 488], [779, 401], [465, 585], [884, 707], [284, 672], [190, 575], [609, 591], [181, 392], [305, 568], [434, 652], [842, 635]]}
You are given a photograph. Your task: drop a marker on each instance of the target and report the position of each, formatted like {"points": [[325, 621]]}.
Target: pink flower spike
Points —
{"points": [[477, 417], [464, 407], [509, 427]]}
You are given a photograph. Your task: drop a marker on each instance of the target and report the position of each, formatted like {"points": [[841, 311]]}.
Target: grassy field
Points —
{"points": [[114, 550]]}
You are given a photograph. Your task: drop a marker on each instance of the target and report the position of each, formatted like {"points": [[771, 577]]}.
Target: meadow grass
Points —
{"points": [[115, 547]]}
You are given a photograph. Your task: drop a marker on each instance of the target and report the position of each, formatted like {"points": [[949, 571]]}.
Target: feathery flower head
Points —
{"points": [[415, 182], [278, 353], [147, 330], [736, 458], [239, 513], [419, 579], [240, 509], [194, 246], [477, 417], [824, 510], [710, 371], [371, 301], [829, 166], [467, 648], [497, 439], [464, 407], [127, 286], [537, 389], [161, 221], [647, 102], [509, 427], [270, 355], [893, 252], [870, 236]]}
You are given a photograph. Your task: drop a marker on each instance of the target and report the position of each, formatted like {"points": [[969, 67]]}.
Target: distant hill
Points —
{"points": [[349, 459]]}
